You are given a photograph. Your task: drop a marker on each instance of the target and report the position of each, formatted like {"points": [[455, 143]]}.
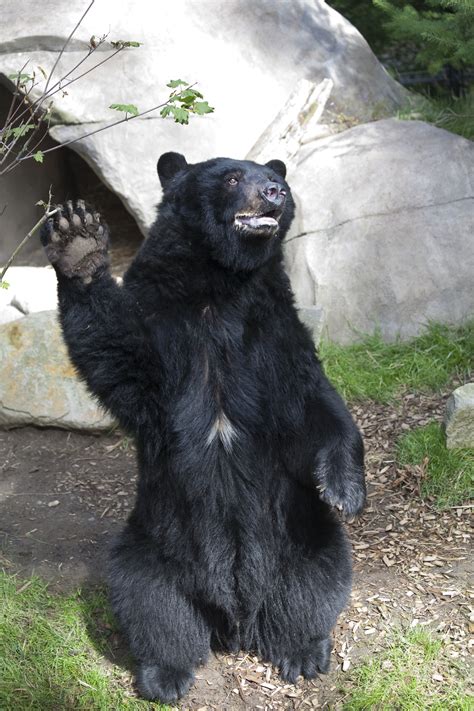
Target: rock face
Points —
{"points": [[265, 47], [459, 420], [38, 384], [386, 235]]}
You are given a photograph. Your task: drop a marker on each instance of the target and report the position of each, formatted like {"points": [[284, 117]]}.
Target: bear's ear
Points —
{"points": [[278, 166], [168, 165]]}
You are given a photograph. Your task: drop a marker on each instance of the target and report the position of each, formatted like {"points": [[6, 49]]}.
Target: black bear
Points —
{"points": [[244, 447]]}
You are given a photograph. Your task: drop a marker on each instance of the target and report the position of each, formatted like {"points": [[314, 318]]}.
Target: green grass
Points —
{"points": [[449, 472], [401, 678], [47, 658], [375, 370], [455, 115]]}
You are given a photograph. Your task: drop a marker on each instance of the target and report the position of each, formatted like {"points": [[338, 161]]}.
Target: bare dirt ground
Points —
{"points": [[64, 495]]}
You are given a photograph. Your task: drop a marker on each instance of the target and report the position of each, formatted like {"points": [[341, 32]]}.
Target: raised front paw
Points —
{"points": [[76, 241], [340, 478]]}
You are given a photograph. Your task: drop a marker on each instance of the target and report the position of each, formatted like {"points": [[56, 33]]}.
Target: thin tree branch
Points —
{"points": [[103, 61], [64, 47], [15, 94], [46, 94], [92, 133]]}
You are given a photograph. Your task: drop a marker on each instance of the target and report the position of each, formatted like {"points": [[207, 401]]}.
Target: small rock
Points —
{"points": [[459, 418], [53, 504]]}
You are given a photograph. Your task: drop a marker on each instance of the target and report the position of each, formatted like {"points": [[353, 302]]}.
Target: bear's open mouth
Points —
{"points": [[264, 221]]}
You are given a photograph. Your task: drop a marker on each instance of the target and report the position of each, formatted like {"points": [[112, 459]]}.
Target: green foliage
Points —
{"points": [[4, 284], [126, 108], [367, 18], [184, 101], [177, 82], [370, 19], [444, 32], [455, 115], [449, 472], [47, 659], [414, 673], [121, 44], [373, 369], [17, 131], [21, 78], [38, 156]]}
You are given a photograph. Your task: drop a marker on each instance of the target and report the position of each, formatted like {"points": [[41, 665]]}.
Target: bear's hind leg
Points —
{"points": [[167, 634], [293, 627]]}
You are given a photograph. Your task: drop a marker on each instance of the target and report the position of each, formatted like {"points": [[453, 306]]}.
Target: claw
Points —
{"points": [[63, 224]]}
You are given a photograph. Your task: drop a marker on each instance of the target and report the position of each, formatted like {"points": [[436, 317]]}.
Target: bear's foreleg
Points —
{"points": [[100, 324], [339, 462]]}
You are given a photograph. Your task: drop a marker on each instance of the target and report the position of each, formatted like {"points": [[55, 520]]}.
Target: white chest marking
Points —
{"points": [[223, 429]]}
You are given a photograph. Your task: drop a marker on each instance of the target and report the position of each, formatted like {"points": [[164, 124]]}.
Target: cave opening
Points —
{"points": [[70, 177]]}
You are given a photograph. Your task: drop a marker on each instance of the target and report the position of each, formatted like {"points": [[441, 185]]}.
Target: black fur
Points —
{"points": [[243, 444]]}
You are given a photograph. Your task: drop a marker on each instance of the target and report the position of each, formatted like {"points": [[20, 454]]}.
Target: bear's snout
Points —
{"points": [[274, 194]]}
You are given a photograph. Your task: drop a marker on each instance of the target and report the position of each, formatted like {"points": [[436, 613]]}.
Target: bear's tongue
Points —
{"points": [[257, 221]]}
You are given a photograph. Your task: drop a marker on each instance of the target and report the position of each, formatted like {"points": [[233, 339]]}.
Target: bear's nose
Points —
{"points": [[274, 193]]}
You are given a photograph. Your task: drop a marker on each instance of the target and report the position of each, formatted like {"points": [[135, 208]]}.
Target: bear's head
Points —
{"points": [[239, 211]]}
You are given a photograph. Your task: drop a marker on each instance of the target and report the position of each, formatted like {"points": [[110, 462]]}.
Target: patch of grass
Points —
{"points": [[455, 115], [413, 674], [47, 659], [375, 370], [449, 472]]}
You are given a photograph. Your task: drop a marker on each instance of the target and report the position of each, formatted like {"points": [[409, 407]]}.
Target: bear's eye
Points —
{"points": [[232, 180]]}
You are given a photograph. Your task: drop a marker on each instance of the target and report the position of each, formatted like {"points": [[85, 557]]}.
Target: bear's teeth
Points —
{"points": [[256, 221]]}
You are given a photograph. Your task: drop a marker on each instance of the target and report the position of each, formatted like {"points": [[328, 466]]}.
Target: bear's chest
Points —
{"points": [[213, 392]]}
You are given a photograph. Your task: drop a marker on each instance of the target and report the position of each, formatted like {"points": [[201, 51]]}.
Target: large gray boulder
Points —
{"points": [[247, 56], [385, 238], [38, 384]]}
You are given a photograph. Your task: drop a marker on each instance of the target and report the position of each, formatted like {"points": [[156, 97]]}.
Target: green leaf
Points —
{"points": [[189, 94], [4, 285], [181, 115], [120, 44], [177, 82], [202, 107], [22, 130], [39, 156], [165, 111], [126, 108], [20, 78]]}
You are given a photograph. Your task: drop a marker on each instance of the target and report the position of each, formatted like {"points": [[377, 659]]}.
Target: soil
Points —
{"points": [[64, 495]]}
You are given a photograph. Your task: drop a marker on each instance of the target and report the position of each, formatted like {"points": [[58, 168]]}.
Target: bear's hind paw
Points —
{"points": [[314, 660], [163, 683]]}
